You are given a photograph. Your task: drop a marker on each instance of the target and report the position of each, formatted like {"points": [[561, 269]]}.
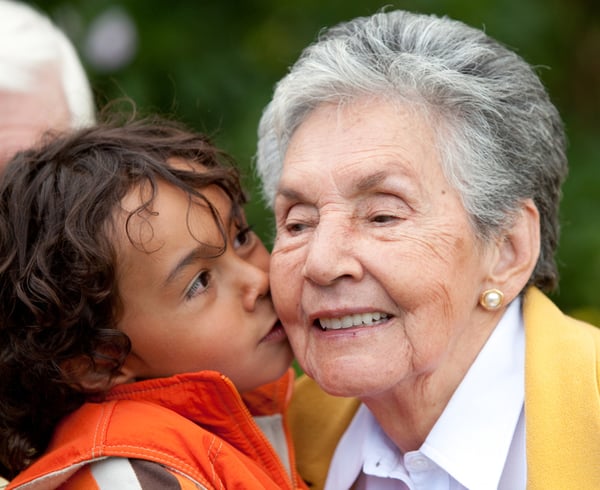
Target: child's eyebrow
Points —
{"points": [[202, 251]]}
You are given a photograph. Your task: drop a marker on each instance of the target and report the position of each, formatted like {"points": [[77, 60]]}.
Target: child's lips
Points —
{"points": [[275, 334]]}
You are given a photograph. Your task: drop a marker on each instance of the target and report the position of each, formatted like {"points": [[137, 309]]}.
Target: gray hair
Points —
{"points": [[500, 138], [30, 41]]}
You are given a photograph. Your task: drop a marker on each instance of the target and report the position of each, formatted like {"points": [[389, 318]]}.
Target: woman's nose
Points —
{"points": [[332, 255]]}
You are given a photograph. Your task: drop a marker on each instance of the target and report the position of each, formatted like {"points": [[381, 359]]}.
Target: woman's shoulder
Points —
{"points": [[544, 321], [309, 396], [317, 422]]}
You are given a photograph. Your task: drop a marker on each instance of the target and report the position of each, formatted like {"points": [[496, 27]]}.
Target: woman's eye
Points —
{"points": [[383, 218], [298, 219], [295, 228], [242, 237], [199, 285]]}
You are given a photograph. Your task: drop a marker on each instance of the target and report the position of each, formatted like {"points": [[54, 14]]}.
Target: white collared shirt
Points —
{"points": [[478, 443]]}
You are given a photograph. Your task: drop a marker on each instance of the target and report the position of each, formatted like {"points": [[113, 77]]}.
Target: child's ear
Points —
{"points": [[517, 253], [94, 377]]}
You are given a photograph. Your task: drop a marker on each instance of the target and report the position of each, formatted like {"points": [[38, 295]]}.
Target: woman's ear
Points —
{"points": [[94, 377], [517, 252]]}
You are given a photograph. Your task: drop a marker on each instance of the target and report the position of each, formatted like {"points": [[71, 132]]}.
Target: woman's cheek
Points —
{"points": [[285, 288]]}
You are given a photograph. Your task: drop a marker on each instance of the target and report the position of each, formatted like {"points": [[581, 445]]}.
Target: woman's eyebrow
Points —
{"points": [[363, 183], [369, 181], [289, 194]]}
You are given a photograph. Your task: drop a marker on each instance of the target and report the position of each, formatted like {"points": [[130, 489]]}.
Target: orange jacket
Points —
{"points": [[195, 425]]}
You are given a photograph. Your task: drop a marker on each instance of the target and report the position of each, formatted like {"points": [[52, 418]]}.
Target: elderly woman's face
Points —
{"points": [[375, 271]]}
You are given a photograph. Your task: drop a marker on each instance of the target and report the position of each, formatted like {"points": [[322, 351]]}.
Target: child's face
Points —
{"points": [[185, 312]]}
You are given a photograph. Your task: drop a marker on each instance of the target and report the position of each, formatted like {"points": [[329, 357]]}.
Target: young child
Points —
{"points": [[139, 347]]}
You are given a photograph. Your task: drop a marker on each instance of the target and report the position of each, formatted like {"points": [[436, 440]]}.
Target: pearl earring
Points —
{"points": [[491, 299]]}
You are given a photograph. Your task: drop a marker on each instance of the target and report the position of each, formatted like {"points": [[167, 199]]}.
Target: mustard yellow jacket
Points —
{"points": [[562, 405]]}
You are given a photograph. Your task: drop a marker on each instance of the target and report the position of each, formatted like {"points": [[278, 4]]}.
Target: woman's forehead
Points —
{"points": [[362, 143]]}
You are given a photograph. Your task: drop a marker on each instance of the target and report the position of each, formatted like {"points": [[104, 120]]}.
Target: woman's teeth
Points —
{"points": [[349, 321]]}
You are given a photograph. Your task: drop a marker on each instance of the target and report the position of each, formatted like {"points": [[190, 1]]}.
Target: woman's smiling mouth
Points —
{"points": [[350, 321]]}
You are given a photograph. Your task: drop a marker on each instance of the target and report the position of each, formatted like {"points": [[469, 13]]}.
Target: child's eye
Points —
{"points": [[242, 237], [198, 285]]}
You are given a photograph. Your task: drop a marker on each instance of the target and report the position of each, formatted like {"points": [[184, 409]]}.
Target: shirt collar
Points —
{"points": [[472, 438]]}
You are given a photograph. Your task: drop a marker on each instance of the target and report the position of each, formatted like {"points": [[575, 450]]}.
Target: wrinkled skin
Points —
{"points": [[368, 224]]}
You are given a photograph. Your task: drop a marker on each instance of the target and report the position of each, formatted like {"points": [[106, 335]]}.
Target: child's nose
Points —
{"points": [[254, 283]]}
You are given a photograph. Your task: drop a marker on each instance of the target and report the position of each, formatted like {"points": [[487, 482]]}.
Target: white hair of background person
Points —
{"points": [[29, 41]]}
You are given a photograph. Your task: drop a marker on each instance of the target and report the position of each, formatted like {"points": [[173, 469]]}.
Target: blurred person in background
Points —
{"points": [[414, 165], [42, 82]]}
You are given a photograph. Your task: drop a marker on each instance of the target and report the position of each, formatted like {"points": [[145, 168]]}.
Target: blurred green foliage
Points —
{"points": [[213, 64]]}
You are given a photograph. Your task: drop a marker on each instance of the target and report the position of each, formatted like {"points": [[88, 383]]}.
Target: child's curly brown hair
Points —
{"points": [[58, 289]]}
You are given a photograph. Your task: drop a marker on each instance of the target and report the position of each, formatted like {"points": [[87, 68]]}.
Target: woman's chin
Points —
{"points": [[350, 384]]}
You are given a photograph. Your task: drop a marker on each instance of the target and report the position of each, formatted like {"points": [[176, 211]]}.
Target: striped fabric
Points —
{"points": [[129, 474]]}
